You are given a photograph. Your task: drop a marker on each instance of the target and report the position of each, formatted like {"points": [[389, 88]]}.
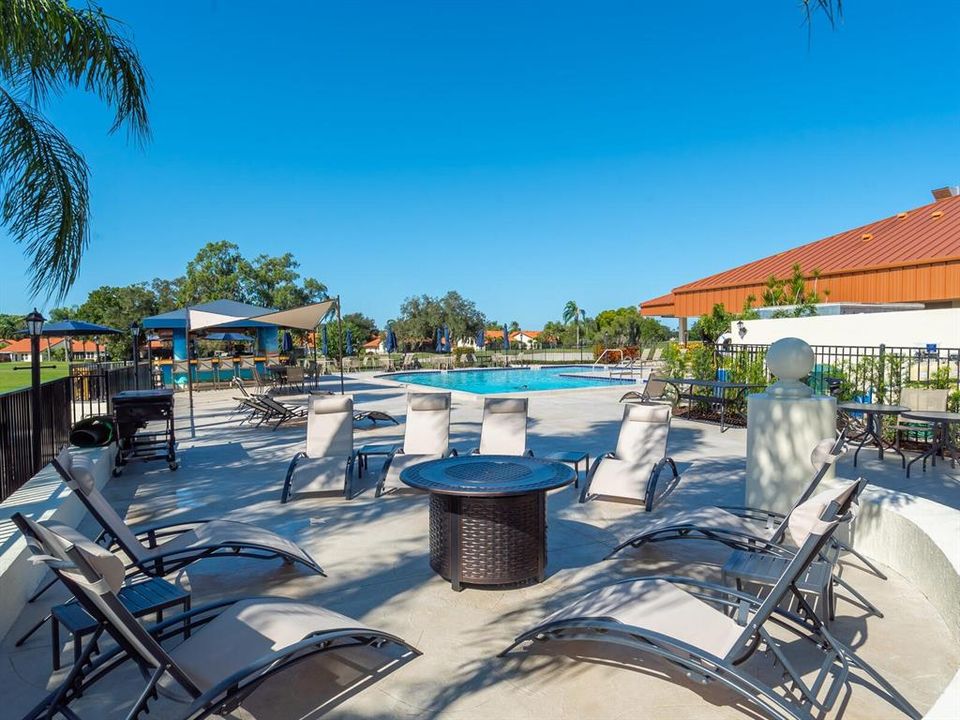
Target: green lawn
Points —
{"points": [[11, 379]]}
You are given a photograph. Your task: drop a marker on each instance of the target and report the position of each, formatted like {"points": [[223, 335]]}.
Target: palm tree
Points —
{"points": [[47, 46], [574, 313]]}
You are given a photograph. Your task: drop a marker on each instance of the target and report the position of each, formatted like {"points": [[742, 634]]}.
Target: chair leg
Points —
{"points": [[55, 642]]}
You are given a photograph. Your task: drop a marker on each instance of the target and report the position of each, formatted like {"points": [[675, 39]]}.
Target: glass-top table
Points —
{"points": [[488, 521]]}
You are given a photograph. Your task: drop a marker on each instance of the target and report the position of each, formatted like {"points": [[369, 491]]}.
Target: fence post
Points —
{"points": [[881, 376]]}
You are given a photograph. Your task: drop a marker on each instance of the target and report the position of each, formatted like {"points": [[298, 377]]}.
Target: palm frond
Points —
{"points": [[47, 45], [833, 9], [44, 183]]}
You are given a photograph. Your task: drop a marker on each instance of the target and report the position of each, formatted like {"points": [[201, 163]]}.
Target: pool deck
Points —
{"points": [[375, 554]]}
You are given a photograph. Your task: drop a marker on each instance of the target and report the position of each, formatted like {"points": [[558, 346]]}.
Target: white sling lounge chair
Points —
{"points": [[326, 466], [234, 645], [162, 549], [504, 427], [710, 630], [425, 437], [632, 472]]}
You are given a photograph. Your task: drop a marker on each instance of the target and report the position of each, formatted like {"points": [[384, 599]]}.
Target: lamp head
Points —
{"points": [[34, 323]]}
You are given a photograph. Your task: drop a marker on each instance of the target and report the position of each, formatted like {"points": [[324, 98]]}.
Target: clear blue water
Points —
{"points": [[509, 380]]}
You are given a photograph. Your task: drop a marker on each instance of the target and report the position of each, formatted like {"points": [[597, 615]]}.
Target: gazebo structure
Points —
{"points": [[228, 315]]}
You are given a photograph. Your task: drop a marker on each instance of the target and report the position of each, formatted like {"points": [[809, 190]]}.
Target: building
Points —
{"points": [[80, 350], [525, 339], [910, 257], [376, 345]]}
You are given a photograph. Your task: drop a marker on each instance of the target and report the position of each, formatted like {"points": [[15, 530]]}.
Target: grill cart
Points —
{"points": [[133, 410]]}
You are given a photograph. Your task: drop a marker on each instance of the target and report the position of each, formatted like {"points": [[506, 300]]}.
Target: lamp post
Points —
{"points": [[34, 327], [135, 332]]}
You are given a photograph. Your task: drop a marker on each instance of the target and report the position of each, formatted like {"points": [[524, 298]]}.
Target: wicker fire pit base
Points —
{"points": [[488, 541]]}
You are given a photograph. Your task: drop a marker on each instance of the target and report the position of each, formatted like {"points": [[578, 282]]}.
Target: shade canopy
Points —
{"points": [[481, 339], [66, 328], [506, 338], [228, 337], [390, 344], [306, 317]]}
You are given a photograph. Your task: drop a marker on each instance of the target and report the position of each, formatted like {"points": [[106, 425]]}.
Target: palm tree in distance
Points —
{"points": [[47, 46], [575, 314]]}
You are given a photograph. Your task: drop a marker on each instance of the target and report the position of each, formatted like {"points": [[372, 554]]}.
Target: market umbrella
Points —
{"points": [[481, 339], [65, 328], [506, 338], [446, 337], [224, 337], [391, 342], [438, 345], [348, 344], [323, 341], [287, 341]]}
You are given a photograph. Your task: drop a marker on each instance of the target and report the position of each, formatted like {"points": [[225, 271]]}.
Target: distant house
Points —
{"points": [[80, 350], [376, 345], [525, 338]]}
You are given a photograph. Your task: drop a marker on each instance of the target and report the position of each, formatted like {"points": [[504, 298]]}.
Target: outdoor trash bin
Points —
{"points": [[93, 432]]}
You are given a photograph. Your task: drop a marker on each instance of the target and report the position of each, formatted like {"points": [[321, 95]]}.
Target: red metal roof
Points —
{"points": [[899, 240]]}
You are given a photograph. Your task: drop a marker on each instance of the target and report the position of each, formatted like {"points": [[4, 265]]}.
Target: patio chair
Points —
{"points": [[504, 427], [737, 527], [326, 465], [410, 362], [206, 365], [234, 645], [158, 550], [632, 472], [296, 377], [425, 437], [709, 631], [654, 390], [918, 399]]}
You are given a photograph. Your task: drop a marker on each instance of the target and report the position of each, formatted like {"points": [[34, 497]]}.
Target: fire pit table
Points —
{"points": [[488, 523]]}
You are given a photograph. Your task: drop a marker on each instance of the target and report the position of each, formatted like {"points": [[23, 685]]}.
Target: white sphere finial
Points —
{"points": [[790, 359]]}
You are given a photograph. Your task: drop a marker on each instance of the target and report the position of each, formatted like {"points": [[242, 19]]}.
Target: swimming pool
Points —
{"points": [[510, 380]]}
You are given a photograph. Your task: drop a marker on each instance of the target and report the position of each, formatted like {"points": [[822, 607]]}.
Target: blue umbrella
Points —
{"points": [[287, 341], [438, 346], [323, 341], [506, 338], [77, 327], [481, 339], [446, 336], [391, 343], [348, 345]]}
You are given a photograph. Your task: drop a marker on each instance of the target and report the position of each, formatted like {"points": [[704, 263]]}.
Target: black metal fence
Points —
{"points": [[84, 393], [876, 373]]}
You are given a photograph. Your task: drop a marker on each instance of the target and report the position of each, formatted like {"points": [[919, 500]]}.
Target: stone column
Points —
{"points": [[783, 426]]}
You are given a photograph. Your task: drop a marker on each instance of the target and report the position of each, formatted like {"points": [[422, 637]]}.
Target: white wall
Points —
{"points": [[910, 328]]}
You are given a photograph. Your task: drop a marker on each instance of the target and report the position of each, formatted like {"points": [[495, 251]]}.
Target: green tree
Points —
{"points": [[274, 282], [572, 312], [118, 307], [10, 325], [421, 315], [47, 46], [362, 329], [218, 271], [625, 326], [793, 293]]}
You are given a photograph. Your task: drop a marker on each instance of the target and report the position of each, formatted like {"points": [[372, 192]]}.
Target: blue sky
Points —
{"points": [[524, 154]]}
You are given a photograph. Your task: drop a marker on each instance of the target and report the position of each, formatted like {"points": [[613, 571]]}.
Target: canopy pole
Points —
{"points": [[340, 344], [316, 363], [189, 369]]}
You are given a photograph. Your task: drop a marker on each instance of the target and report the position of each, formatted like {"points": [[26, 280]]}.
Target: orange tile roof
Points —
{"points": [[23, 345], [924, 237], [373, 344]]}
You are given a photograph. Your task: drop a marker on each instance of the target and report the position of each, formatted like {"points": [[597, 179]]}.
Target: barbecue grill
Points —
{"points": [[134, 410]]}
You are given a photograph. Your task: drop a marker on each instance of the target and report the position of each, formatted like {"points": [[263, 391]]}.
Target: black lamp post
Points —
{"points": [[135, 331], [34, 327]]}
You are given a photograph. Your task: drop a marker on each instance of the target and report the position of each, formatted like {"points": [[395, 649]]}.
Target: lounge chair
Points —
{"points": [[280, 412], [654, 390], [326, 466], [253, 409], [233, 648], [709, 630], [425, 437], [737, 527], [632, 472], [158, 550], [410, 362], [504, 427]]}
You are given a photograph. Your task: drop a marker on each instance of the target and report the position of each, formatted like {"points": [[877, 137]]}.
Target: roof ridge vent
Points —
{"points": [[866, 236], [936, 214], [945, 193], [902, 215]]}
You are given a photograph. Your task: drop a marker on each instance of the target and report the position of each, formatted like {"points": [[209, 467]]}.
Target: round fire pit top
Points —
{"points": [[488, 475]]}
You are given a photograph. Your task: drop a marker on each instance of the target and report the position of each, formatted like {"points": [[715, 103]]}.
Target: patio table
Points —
{"points": [[872, 428], [724, 393], [941, 422], [488, 522]]}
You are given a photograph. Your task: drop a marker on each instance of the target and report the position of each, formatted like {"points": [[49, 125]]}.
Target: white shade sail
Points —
{"points": [[306, 317], [200, 319]]}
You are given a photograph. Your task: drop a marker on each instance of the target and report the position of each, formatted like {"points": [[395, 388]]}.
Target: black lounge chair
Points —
{"points": [[710, 630], [163, 549], [234, 646]]}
